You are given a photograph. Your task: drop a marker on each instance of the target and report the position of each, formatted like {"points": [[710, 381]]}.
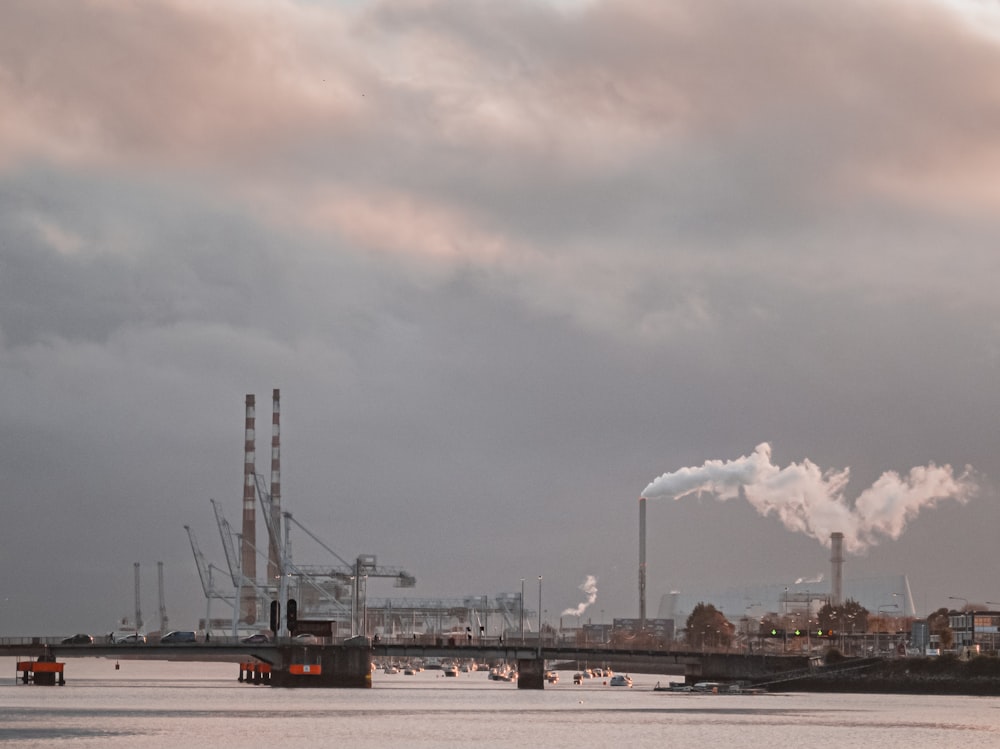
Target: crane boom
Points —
{"points": [[199, 562], [347, 565], [272, 520], [226, 534]]}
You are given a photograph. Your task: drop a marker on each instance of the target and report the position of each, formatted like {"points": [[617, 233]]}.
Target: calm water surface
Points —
{"points": [[161, 704]]}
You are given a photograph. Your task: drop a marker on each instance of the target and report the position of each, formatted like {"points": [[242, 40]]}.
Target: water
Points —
{"points": [[173, 704]]}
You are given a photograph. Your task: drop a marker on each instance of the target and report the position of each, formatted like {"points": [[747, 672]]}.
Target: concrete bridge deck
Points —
{"points": [[351, 660]]}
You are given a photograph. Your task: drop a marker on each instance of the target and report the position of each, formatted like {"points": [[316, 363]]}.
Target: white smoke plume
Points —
{"points": [[815, 579], [810, 501], [589, 587]]}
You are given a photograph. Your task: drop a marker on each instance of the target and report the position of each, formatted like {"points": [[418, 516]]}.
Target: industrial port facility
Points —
{"points": [[326, 598]]}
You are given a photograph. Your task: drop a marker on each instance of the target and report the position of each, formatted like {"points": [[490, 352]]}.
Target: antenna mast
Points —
{"points": [[138, 612], [163, 602]]}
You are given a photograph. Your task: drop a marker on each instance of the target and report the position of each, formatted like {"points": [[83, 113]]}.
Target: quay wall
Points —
{"points": [[979, 676]]}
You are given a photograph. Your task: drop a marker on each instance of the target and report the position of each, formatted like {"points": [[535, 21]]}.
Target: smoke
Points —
{"points": [[589, 587], [810, 501]]}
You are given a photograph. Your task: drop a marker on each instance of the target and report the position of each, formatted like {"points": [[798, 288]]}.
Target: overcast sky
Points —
{"points": [[508, 263]]}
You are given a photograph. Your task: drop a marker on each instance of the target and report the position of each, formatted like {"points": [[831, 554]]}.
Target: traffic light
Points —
{"points": [[774, 632], [275, 616], [826, 634], [799, 633], [293, 614]]}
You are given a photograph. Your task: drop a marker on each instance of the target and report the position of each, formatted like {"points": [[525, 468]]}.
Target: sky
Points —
{"points": [[508, 263]]}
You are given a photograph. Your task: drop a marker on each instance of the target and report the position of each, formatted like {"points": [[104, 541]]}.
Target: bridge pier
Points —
{"points": [[255, 673], [44, 671], [327, 666], [531, 673]]}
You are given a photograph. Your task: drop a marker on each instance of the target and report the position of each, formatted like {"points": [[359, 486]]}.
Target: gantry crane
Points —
{"points": [[324, 580], [358, 572], [207, 580]]}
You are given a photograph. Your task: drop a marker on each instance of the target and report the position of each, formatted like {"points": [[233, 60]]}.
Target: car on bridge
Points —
{"points": [[177, 636], [135, 638], [256, 639], [80, 639]]}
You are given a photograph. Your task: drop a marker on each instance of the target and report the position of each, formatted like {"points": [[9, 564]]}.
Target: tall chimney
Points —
{"points": [[837, 573], [642, 562], [273, 552], [248, 544]]}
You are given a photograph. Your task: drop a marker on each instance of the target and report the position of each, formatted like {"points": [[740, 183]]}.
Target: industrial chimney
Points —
{"points": [[273, 551], [642, 562], [248, 554], [837, 572]]}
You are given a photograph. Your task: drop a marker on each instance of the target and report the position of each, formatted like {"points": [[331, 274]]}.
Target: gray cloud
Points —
{"points": [[505, 264]]}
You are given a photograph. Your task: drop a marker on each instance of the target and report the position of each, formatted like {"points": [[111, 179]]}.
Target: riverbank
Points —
{"points": [[945, 675]]}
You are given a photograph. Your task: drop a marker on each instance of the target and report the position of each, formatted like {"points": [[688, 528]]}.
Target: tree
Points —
{"points": [[849, 617], [938, 624], [707, 626]]}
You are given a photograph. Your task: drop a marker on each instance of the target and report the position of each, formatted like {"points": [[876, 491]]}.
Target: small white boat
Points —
{"points": [[620, 680], [674, 686]]}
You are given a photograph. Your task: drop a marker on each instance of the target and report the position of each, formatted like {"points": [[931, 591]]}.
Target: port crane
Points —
{"points": [[320, 587], [205, 570], [356, 572]]}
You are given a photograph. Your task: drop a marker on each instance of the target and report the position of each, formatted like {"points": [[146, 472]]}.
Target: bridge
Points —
{"points": [[348, 664]]}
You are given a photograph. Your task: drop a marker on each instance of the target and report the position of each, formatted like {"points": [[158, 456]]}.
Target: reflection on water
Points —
{"points": [[160, 704]]}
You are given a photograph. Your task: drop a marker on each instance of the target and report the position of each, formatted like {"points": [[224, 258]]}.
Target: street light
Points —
{"points": [[784, 644], [522, 610], [539, 613], [964, 612], [354, 602], [878, 622], [364, 618]]}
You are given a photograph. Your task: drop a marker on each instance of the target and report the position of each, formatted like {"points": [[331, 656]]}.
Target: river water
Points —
{"points": [[172, 704]]}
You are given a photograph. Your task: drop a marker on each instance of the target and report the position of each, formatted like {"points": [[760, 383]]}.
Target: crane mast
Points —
{"points": [[138, 611], [163, 603]]}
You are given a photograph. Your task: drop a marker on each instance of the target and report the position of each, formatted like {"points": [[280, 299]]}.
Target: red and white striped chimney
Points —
{"points": [[248, 556], [273, 551]]}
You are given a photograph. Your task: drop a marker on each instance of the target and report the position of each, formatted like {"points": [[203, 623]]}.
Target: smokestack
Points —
{"points": [[837, 572], [248, 543], [273, 553], [642, 562]]}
